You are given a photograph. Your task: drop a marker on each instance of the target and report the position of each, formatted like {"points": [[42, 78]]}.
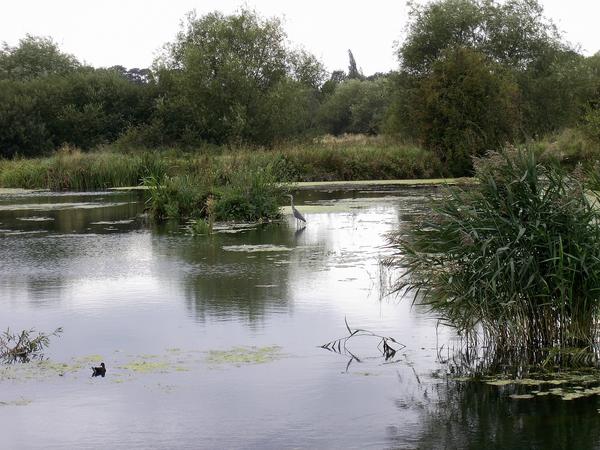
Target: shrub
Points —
{"points": [[249, 196], [182, 197]]}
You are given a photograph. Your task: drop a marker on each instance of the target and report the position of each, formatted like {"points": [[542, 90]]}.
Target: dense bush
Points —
{"points": [[465, 107], [486, 72], [355, 106]]}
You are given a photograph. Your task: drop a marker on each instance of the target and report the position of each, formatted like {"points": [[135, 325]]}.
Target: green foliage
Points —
{"points": [[84, 108], [513, 33], [180, 197], [517, 256], [355, 107], [465, 107], [554, 91], [34, 57], [249, 196], [246, 195], [70, 169], [223, 76], [23, 129], [533, 83], [200, 227], [353, 72], [345, 158], [23, 346], [591, 124]]}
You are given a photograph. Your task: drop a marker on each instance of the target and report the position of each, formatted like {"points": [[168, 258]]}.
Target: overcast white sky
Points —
{"points": [[129, 32]]}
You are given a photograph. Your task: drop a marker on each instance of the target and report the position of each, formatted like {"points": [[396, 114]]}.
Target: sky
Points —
{"points": [[131, 32]]}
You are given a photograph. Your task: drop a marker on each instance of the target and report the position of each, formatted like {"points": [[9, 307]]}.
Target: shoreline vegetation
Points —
{"points": [[342, 160], [513, 264], [350, 159]]}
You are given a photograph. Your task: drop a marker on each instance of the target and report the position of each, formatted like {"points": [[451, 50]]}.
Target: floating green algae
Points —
{"points": [[36, 219], [244, 355], [521, 396], [143, 366], [305, 185], [156, 363], [365, 374], [36, 370]]}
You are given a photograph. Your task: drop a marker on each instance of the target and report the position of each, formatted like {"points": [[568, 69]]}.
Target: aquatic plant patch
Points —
{"points": [[567, 385], [238, 356]]}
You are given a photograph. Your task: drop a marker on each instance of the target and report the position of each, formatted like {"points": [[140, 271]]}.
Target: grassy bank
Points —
{"points": [[348, 159]]}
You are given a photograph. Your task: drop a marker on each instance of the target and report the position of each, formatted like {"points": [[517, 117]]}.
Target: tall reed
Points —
{"points": [[516, 257]]}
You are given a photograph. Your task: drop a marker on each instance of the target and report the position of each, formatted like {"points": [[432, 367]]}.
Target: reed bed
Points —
{"points": [[343, 160], [513, 263]]}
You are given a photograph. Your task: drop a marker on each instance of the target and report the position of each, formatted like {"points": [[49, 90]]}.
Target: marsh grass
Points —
{"points": [[512, 263], [343, 160], [71, 169], [180, 197], [248, 196]]}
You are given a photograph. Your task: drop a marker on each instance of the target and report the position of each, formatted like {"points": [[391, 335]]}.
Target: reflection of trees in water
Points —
{"points": [[72, 218], [223, 284], [41, 291], [473, 415], [39, 268]]}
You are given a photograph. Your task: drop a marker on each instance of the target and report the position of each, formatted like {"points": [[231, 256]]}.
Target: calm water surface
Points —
{"points": [[213, 342]]}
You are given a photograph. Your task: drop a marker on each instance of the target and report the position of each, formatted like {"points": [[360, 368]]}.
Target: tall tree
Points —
{"points": [[353, 72], [34, 57], [221, 76]]}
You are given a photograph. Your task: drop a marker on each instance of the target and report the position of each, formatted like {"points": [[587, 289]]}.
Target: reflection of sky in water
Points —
{"points": [[119, 290]]}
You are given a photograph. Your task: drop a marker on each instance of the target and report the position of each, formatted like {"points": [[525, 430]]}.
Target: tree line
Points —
{"points": [[473, 75]]}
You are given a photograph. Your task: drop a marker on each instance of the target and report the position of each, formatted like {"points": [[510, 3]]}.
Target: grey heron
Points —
{"points": [[297, 214]]}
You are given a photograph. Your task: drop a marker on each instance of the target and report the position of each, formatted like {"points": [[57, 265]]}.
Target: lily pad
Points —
{"points": [[521, 396]]}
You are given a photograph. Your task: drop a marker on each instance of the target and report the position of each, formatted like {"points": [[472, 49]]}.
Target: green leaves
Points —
{"points": [[531, 278]]}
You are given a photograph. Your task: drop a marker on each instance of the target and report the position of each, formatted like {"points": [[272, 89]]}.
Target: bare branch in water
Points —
{"points": [[388, 346]]}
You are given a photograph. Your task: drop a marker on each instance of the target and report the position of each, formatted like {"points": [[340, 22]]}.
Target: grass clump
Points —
{"points": [[181, 197], [244, 196], [249, 196], [515, 258]]}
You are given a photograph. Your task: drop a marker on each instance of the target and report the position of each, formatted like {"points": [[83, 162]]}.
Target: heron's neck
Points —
{"points": [[292, 202]]}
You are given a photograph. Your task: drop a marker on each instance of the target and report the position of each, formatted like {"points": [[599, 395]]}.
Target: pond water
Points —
{"points": [[214, 341]]}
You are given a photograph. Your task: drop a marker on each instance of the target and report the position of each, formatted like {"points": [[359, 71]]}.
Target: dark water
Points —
{"points": [[157, 305]]}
